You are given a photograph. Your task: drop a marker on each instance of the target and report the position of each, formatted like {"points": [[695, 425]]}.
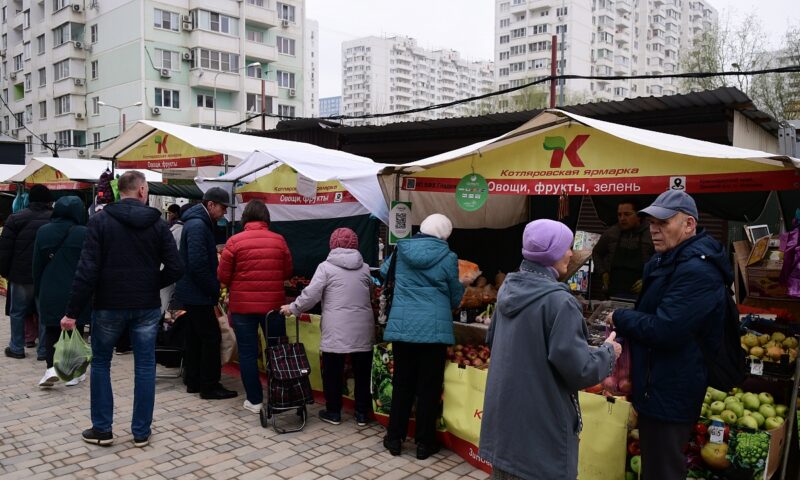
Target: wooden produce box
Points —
{"points": [[762, 280]]}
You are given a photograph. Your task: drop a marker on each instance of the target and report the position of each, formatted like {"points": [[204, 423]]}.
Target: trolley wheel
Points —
{"points": [[264, 417]]}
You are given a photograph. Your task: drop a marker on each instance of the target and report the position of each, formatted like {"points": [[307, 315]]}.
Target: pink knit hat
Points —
{"points": [[343, 238]]}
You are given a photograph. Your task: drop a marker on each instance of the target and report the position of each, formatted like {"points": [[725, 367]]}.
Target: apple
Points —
{"points": [[458, 347], [765, 397], [716, 395], [707, 399], [736, 408], [772, 423], [715, 417], [759, 418], [767, 411], [728, 417], [748, 422], [781, 410], [704, 410], [750, 401], [636, 464], [625, 386], [739, 395], [731, 400], [717, 407], [477, 363], [747, 412]]}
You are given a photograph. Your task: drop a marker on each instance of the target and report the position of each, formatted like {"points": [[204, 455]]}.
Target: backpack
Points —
{"points": [[727, 367]]}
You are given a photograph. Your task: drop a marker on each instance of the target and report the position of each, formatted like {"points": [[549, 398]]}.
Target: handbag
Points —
{"points": [[387, 294]]}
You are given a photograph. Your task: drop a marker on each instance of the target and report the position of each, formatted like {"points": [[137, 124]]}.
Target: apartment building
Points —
{"points": [[330, 106], [311, 68], [394, 74], [72, 68], [599, 37]]}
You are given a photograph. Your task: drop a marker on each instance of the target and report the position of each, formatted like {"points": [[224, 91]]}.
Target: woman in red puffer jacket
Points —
{"points": [[254, 265]]}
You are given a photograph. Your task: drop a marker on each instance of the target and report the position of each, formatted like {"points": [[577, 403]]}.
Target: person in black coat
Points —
{"points": [[16, 257]]}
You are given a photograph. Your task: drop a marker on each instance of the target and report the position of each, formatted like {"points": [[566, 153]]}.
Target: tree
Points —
{"points": [[779, 93]]}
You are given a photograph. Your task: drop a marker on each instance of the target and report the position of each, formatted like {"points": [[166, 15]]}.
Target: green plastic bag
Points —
{"points": [[72, 356]]}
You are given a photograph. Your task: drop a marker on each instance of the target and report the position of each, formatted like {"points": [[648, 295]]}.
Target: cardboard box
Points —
{"points": [[762, 281]]}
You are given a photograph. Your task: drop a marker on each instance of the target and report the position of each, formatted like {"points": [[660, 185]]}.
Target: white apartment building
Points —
{"points": [[600, 37], [72, 68], [311, 68], [393, 74]]}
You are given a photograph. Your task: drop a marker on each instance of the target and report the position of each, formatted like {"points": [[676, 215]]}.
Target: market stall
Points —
{"points": [[58, 173]]}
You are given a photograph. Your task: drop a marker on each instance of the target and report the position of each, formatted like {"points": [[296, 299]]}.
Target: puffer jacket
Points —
{"points": [[198, 250], [342, 283], [254, 265], [17, 239], [682, 303], [425, 293]]}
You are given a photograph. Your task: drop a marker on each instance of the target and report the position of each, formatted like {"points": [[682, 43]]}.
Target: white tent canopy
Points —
{"points": [[72, 168]]}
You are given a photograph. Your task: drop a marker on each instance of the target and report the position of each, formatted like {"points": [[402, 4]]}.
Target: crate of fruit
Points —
{"points": [[771, 347]]}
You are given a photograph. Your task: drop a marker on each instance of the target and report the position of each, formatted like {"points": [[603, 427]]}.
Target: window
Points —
{"points": [[18, 120], [253, 103], [517, 67], [64, 138], [253, 36], [286, 110], [96, 140], [59, 4], [537, 29], [505, 22], [504, 72], [6, 123], [93, 33], [39, 44], [504, 39], [561, 12], [61, 70], [62, 105], [167, 98], [42, 110], [221, 61], [26, 50], [95, 70], [5, 16], [254, 71], [18, 63], [29, 144], [517, 50], [95, 105], [61, 34], [26, 19], [165, 20], [5, 41], [538, 46], [168, 59], [43, 146], [285, 45], [216, 22], [285, 12], [28, 114], [257, 3], [285, 79], [561, 29], [42, 77], [539, 63], [28, 86], [205, 101], [518, 33], [503, 55]]}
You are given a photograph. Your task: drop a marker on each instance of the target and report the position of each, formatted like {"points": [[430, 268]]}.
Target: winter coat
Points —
{"points": [[540, 359], [683, 303], [425, 293], [16, 242], [63, 238], [790, 272], [603, 252], [121, 263], [342, 283], [198, 250], [254, 265]]}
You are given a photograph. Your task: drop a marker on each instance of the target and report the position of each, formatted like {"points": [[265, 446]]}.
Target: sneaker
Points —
{"points": [[141, 442], [49, 379], [392, 445], [12, 354], [253, 407], [97, 438], [40, 358], [76, 381], [425, 451], [328, 417], [362, 419]]}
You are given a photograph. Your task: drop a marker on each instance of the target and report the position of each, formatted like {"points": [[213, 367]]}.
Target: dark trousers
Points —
{"points": [[662, 447], [332, 378], [418, 373], [51, 336], [202, 354]]}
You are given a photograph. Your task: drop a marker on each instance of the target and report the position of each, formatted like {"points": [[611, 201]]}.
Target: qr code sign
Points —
{"points": [[400, 220]]}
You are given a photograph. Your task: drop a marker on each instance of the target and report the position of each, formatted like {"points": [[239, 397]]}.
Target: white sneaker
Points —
{"points": [[253, 408], [49, 379], [76, 381]]}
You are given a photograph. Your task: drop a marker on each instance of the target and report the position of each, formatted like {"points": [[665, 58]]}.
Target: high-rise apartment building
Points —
{"points": [[393, 74], [311, 68], [330, 106], [600, 37], [72, 68]]}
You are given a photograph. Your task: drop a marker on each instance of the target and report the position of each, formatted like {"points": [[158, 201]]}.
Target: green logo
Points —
{"points": [[472, 192]]}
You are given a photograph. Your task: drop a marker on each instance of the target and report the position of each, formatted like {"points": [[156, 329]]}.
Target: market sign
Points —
{"points": [[472, 192], [280, 187], [581, 160], [399, 221], [162, 150], [54, 180]]}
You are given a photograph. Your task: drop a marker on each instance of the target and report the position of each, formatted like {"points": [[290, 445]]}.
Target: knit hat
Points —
{"points": [[344, 238], [546, 241], [437, 225], [40, 193]]}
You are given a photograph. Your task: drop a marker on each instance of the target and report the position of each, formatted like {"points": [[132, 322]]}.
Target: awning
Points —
{"points": [[59, 173]]}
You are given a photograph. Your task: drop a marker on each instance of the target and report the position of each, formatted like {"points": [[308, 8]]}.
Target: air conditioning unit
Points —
{"points": [[78, 82], [79, 116], [15, 132], [186, 18], [187, 26], [13, 75], [3, 52], [155, 111], [81, 153], [292, 92], [76, 8], [285, 23], [78, 45], [187, 56], [165, 73]]}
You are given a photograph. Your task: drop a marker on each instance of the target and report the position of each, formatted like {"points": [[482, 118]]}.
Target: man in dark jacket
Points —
{"points": [[682, 306], [16, 257], [198, 292], [126, 244]]}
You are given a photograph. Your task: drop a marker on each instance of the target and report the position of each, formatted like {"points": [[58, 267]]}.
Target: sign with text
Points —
{"points": [[399, 221]]}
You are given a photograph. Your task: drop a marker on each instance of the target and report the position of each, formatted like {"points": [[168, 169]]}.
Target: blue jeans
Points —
{"points": [[246, 328], [107, 326], [22, 304]]}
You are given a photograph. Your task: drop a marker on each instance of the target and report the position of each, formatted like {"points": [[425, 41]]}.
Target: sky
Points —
{"points": [[466, 26]]}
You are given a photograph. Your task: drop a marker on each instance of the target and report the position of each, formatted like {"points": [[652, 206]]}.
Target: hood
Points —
{"points": [[422, 252], [197, 212], [522, 288], [347, 258], [133, 213], [702, 245], [70, 208]]}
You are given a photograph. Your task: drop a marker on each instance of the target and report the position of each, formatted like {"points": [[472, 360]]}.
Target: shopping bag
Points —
{"points": [[72, 355], [227, 342], [603, 440], [464, 390]]}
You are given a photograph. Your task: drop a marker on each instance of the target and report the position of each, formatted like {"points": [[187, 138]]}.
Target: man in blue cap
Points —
{"points": [[678, 316]]}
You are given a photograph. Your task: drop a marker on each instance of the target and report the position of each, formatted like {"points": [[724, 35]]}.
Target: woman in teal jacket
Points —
{"points": [[420, 327]]}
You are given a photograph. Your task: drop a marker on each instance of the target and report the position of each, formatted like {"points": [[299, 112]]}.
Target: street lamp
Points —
{"points": [[254, 64], [119, 109]]}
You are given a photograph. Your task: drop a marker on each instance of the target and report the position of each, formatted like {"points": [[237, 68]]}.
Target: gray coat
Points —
{"points": [[342, 283], [540, 359]]}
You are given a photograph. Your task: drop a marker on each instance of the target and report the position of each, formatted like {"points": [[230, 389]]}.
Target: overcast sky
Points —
{"points": [[463, 25]]}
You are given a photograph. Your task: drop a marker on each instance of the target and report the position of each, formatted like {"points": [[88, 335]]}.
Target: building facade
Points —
{"points": [[311, 68], [72, 68], [394, 74], [600, 38], [330, 106]]}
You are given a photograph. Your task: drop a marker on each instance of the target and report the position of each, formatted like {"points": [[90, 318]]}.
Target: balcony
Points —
{"points": [[228, 8], [64, 15], [623, 6], [225, 81], [253, 85], [261, 16], [205, 116], [213, 41], [261, 52], [67, 50], [69, 86]]}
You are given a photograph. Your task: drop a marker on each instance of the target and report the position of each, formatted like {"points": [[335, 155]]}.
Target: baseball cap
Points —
{"points": [[217, 195], [669, 203]]}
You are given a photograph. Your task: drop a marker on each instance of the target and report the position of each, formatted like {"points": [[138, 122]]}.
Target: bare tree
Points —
{"points": [[779, 93]]}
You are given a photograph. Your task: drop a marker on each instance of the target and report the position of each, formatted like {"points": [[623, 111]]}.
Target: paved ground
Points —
{"points": [[192, 438]]}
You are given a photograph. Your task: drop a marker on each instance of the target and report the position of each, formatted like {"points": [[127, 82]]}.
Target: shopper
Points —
{"points": [[16, 259], [540, 359], [682, 307], [420, 327], [254, 265], [176, 229], [55, 258], [343, 284], [120, 268], [173, 214], [198, 293]]}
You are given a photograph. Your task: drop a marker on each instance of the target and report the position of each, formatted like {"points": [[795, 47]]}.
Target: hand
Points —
{"points": [[609, 320], [616, 346], [286, 310], [67, 323], [637, 287]]}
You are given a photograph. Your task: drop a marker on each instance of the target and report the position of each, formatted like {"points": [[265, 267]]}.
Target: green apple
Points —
{"points": [[717, 407], [773, 422], [747, 412], [739, 394], [781, 410], [736, 408], [767, 411], [728, 417], [729, 400], [636, 464], [750, 401], [736, 390], [707, 399], [704, 410], [748, 422], [717, 395], [716, 417], [765, 397], [759, 418]]}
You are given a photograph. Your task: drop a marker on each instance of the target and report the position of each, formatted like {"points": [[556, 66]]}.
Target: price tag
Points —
{"points": [[716, 432], [756, 367]]}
